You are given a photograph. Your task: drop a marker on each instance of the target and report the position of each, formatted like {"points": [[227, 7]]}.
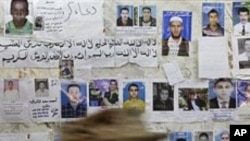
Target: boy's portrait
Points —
{"points": [[18, 23]]}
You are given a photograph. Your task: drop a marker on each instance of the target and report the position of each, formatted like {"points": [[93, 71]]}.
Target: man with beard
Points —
{"points": [[124, 19], [175, 44], [242, 28], [146, 19]]}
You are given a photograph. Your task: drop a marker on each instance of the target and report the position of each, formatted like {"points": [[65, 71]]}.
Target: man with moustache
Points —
{"points": [[175, 44], [242, 28]]}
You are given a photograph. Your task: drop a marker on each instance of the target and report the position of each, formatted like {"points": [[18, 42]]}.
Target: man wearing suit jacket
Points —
{"points": [[195, 103], [223, 88]]}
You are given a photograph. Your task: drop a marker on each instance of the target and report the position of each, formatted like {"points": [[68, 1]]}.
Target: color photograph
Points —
{"points": [[147, 15], [243, 93], [18, 18], [73, 99], [203, 136], [176, 33], [125, 15], [213, 19], [193, 99], [180, 136], [222, 93], [103, 92], [134, 96], [241, 25], [11, 90]]}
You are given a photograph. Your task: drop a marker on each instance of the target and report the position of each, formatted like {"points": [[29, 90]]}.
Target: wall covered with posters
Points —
{"points": [[177, 61]]}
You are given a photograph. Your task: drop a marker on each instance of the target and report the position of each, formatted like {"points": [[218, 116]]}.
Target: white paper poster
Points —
{"points": [[48, 20], [44, 100], [213, 57], [87, 12], [13, 102]]}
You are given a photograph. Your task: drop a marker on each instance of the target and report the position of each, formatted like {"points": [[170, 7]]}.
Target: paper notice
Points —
{"points": [[173, 72], [89, 13], [213, 58], [48, 23]]}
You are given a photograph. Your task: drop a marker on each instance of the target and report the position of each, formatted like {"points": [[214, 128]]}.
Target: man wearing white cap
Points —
{"points": [[175, 44]]}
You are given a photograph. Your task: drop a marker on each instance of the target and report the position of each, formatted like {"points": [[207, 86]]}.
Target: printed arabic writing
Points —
{"points": [[72, 49]]}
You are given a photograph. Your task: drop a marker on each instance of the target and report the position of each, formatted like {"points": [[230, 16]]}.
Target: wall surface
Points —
{"points": [[188, 65]]}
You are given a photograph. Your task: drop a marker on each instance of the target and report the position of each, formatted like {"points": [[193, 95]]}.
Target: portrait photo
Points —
{"points": [[243, 93], [41, 88], [193, 99], [177, 30], [125, 15], [39, 23], [18, 17], [203, 136], [244, 53], [213, 19], [134, 96], [147, 15], [73, 99], [241, 18], [163, 97], [11, 90], [180, 136], [103, 92], [222, 93], [66, 68], [222, 135]]}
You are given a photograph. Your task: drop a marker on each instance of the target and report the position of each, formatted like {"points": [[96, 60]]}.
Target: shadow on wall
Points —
{"points": [[1, 31]]}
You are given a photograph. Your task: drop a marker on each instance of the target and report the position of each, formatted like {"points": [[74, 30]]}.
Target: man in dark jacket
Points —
{"points": [[223, 88], [124, 19], [175, 44], [146, 19], [195, 103], [163, 102]]}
